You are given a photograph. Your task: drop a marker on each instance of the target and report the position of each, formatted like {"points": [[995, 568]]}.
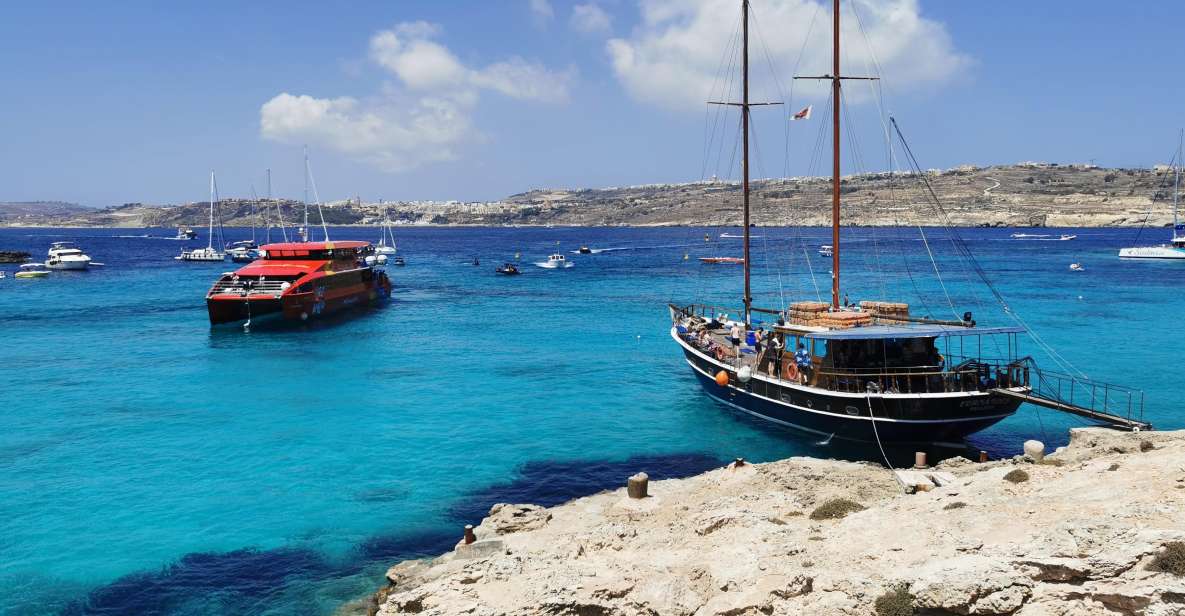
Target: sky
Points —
{"points": [[136, 101]]}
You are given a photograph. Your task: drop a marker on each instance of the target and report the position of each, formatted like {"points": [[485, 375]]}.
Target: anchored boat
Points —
{"points": [[299, 281], [1175, 249], [870, 371], [209, 253], [66, 256]]}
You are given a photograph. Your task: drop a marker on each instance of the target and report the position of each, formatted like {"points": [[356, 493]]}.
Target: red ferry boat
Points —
{"points": [[299, 281]]}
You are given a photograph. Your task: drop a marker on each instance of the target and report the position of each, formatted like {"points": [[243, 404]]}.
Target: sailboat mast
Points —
{"points": [[1177, 182], [745, 141], [304, 230], [210, 242], [835, 103]]}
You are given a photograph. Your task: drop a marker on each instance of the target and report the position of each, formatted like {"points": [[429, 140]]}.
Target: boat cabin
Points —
{"points": [[317, 251]]}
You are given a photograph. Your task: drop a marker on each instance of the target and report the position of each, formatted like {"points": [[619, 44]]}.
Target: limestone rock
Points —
{"points": [[506, 518]]}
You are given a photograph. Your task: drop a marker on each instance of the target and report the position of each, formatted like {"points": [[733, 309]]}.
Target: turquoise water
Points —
{"points": [[151, 465]]}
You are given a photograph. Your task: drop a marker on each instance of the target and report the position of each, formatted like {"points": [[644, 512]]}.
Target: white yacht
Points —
{"points": [[826, 250], [209, 253], [1175, 249], [66, 256]]}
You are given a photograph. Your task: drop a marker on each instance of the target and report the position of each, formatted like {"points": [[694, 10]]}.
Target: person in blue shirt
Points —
{"points": [[803, 359]]}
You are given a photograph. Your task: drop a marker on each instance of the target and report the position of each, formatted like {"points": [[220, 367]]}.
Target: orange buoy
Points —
{"points": [[722, 378]]}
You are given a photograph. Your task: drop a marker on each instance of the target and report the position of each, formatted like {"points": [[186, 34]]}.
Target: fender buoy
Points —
{"points": [[744, 374], [722, 378]]}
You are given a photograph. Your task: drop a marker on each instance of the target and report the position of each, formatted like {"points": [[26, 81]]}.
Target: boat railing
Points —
{"points": [[249, 287], [1104, 399], [966, 376]]}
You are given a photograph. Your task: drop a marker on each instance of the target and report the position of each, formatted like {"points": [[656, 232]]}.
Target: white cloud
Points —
{"points": [[674, 56], [591, 19], [542, 11], [424, 116]]}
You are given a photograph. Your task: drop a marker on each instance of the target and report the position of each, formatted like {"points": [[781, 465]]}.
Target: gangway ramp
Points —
{"points": [[1113, 405]]}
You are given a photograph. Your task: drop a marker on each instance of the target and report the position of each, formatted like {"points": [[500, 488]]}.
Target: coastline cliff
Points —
{"points": [[1022, 195], [1093, 528]]}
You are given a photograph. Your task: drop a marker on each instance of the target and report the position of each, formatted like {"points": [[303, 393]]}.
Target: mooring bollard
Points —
{"points": [[983, 456], [635, 486], [919, 459], [1035, 450], [469, 536]]}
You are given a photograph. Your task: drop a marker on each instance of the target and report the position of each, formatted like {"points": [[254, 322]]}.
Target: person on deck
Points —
{"points": [[775, 349], [734, 336], [803, 360]]}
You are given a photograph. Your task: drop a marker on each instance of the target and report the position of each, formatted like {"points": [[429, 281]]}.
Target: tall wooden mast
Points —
{"points": [[745, 141], [835, 103]]}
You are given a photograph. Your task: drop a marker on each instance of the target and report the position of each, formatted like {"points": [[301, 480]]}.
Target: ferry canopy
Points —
{"points": [[354, 244], [887, 332]]}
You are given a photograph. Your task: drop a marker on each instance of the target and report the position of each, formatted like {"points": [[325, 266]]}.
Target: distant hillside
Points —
{"points": [[1027, 194], [17, 211]]}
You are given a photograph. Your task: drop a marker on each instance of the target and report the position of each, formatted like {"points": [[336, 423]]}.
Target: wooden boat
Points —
{"points": [[865, 372]]}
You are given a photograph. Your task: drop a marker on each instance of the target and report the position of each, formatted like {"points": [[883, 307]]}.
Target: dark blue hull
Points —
{"points": [[894, 419]]}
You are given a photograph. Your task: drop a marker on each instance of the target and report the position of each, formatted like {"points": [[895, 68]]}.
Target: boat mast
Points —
{"points": [[835, 102], [304, 230], [745, 140], [210, 239], [1177, 182]]}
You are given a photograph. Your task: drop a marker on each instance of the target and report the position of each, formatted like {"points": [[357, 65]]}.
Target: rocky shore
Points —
{"points": [[1093, 528]]}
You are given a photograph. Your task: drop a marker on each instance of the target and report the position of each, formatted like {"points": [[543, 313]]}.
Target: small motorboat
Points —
{"points": [[555, 261], [826, 250], [185, 233], [3, 274], [397, 261], [728, 260], [1066, 237], [66, 256], [585, 250], [1077, 267], [32, 270], [507, 269], [245, 251]]}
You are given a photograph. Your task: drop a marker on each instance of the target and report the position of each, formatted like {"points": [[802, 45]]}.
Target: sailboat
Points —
{"points": [[1175, 249], [246, 251], [866, 372], [382, 248], [209, 253]]}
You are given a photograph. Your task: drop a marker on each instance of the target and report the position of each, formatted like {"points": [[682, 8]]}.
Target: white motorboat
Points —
{"points": [[66, 256], [1175, 249], [826, 250], [32, 270], [209, 253], [1065, 237], [185, 233], [1077, 267], [555, 261]]}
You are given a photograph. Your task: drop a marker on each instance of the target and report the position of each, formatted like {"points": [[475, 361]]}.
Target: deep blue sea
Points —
{"points": [[151, 465]]}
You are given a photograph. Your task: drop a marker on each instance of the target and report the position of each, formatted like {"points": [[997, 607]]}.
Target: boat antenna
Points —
{"points": [[836, 79], [745, 105]]}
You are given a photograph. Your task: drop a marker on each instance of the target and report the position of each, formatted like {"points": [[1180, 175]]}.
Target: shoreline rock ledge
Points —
{"points": [[1093, 528]]}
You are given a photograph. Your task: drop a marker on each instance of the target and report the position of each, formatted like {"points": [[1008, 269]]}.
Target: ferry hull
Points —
{"points": [[898, 418], [295, 306]]}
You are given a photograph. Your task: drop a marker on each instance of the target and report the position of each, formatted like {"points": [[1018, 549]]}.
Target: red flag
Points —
{"points": [[805, 114]]}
